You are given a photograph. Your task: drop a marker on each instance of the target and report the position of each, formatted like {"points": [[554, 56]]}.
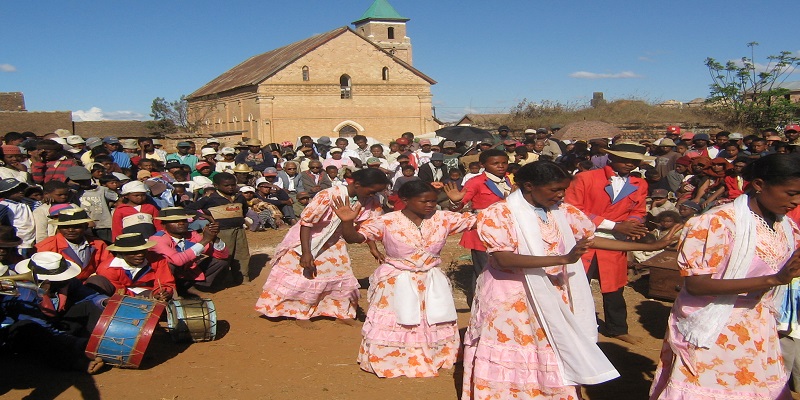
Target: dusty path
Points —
{"points": [[255, 358]]}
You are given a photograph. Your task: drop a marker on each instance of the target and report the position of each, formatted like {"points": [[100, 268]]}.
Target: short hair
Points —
{"points": [[734, 144], [485, 155], [359, 137], [758, 139], [107, 178], [474, 164], [33, 189], [144, 139], [722, 133], [12, 136], [52, 186], [342, 139], [668, 214], [330, 167], [414, 189], [409, 166], [376, 146], [540, 173], [521, 150], [223, 177], [104, 158], [370, 177]]}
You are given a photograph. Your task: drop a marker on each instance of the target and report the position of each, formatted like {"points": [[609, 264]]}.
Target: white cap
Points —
{"points": [[227, 150], [60, 140], [735, 136], [212, 140], [244, 189], [207, 152], [121, 176], [62, 133], [75, 139], [202, 182], [134, 187], [530, 130], [156, 142], [260, 181]]}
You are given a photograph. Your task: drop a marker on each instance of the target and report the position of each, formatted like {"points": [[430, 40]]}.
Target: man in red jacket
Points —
{"points": [[616, 203], [136, 272], [196, 259], [71, 241]]}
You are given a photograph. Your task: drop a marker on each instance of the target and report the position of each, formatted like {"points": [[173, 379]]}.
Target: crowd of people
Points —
{"points": [[540, 216]]}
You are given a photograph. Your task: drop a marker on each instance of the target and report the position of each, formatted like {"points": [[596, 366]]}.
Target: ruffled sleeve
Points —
{"points": [[496, 228], [706, 243]]}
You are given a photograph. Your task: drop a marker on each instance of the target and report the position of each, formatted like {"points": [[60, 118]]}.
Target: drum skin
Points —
{"points": [[192, 320], [124, 330]]}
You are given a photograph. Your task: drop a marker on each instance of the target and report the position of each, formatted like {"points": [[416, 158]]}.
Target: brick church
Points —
{"points": [[343, 82]]}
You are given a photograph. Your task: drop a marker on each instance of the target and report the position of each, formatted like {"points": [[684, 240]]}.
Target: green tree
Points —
{"points": [[748, 94], [169, 117]]}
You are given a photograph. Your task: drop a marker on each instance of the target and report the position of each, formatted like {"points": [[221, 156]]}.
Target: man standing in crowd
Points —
{"points": [[183, 155]]}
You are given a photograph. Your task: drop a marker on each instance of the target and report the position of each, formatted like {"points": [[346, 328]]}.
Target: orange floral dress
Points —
{"points": [[745, 362], [389, 349], [507, 354], [334, 291]]}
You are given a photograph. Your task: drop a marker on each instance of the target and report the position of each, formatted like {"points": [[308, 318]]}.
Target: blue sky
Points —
{"points": [[110, 59]]}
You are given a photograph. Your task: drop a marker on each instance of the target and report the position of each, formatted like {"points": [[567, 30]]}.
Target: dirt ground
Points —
{"points": [[255, 358]]}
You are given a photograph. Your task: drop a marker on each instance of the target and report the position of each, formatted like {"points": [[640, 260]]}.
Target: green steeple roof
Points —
{"points": [[381, 10]]}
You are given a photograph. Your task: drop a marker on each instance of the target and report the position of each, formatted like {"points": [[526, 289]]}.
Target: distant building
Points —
{"points": [[485, 121], [340, 83]]}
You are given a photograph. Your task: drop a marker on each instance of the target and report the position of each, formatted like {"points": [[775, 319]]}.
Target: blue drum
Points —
{"points": [[124, 330], [192, 320]]}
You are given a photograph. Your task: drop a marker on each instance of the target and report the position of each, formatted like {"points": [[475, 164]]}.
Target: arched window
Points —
{"points": [[385, 73], [391, 33], [305, 73], [345, 87], [347, 131]]}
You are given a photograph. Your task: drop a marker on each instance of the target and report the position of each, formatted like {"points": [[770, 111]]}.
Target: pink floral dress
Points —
{"points": [[507, 354], [745, 362], [334, 292], [389, 349]]}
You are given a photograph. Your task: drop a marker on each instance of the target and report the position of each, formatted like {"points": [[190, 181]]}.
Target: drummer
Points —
{"points": [[196, 259], [29, 323], [135, 271]]}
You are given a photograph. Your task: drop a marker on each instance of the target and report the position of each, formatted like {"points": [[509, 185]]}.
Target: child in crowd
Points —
{"points": [[12, 192], [333, 174], [474, 170], [302, 201], [134, 202], [665, 221], [688, 209], [35, 196], [659, 202], [180, 196], [253, 219], [95, 200], [55, 193], [734, 183], [111, 182], [227, 164]]}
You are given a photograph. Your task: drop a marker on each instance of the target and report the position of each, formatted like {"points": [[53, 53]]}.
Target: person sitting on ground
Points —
{"points": [[196, 259], [665, 221], [315, 180], [734, 182], [688, 209], [135, 271]]}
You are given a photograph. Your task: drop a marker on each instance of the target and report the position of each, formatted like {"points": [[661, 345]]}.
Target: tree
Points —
{"points": [[168, 117], [749, 94]]}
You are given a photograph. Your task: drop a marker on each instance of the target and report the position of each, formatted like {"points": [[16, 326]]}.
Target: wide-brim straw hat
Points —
{"points": [[253, 142], [173, 214], [242, 168], [128, 242], [629, 150], [49, 266], [71, 216]]}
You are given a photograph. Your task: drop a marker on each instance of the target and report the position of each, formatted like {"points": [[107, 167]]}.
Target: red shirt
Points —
{"points": [[481, 195], [154, 276], [58, 244]]}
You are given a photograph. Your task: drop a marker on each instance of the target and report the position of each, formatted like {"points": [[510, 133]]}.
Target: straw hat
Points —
{"points": [[629, 150], [173, 214], [49, 266], [254, 142], [71, 216], [130, 242], [242, 168]]}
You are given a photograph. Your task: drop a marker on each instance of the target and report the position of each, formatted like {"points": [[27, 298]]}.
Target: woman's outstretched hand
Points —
{"points": [[344, 211], [581, 247], [452, 192]]}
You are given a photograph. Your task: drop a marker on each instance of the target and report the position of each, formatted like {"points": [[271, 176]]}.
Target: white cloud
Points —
{"points": [[646, 59], [595, 75], [97, 114], [7, 68]]}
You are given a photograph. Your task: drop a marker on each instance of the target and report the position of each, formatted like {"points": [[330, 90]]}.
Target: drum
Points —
{"points": [[192, 320], [124, 330]]}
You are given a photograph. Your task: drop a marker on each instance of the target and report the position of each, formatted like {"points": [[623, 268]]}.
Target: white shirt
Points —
{"points": [[23, 221], [617, 182]]}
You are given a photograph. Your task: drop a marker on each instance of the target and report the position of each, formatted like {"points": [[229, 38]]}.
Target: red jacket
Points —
{"points": [[154, 276], [58, 244], [591, 192], [185, 262], [125, 210], [482, 193]]}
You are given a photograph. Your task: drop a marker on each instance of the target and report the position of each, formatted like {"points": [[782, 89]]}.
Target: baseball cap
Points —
{"points": [[111, 140], [503, 128], [691, 204], [227, 150], [424, 142], [448, 144], [201, 165], [207, 152], [335, 150], [184, 144], [93, 142], [375, 160], [674, 129], [792, 128], [660, 193], [173, 163], [245, 189], [736, 136], [402, 140], [9, 149], [530, 131], [700, 136]]}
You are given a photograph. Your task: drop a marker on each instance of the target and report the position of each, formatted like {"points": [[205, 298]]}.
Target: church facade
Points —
{"points": [[340, 83]]}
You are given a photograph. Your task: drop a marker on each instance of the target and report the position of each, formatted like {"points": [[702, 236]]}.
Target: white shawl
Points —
{"points": [[326, 233], [702, 327], [572, 334]]}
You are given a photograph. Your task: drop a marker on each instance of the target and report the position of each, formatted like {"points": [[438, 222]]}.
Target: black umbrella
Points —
{"points": [[463, 133]]}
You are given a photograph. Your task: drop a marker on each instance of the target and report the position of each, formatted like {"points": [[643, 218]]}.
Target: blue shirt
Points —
{"points": [[122, 159]]}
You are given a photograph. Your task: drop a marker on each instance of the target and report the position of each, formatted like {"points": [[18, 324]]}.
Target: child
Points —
{"points": [[180, 196], [55, 193], [688, 209], [227, 164], [253, 219], [659, 203], [333, 174], [665, 221], [97, 171], [407, 284], [95, 200], [302, 201], [12, 192], [111, 182], [34, 196], [228, 207], [474, 170], [134, 202]]}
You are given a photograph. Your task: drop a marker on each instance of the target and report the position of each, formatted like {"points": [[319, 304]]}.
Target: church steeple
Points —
{"points": [[384, 26]]}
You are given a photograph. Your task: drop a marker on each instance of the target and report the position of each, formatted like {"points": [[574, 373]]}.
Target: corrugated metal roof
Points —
{"points": [[256, 69]]}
